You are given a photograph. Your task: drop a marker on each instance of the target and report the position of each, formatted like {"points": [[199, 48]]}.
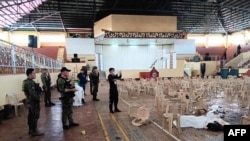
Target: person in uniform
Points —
{"points": [[94, 82], [67, 93], [46, 80], [113, 92], [30, 89]]}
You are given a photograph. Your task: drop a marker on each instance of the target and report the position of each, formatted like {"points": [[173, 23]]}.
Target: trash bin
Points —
{"points": [[224, 73], [1, 116], [8, 111]]}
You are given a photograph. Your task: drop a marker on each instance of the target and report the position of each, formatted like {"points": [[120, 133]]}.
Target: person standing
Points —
{"points": [[225, 54], [30, 89], [67, 93], [238, 49], [94, 82], [82, 77], [46, 80], [113, 92]]}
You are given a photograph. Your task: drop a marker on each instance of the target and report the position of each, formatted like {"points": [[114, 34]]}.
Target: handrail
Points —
{"points": [[14, 57], [213, 58], [244, 62]]}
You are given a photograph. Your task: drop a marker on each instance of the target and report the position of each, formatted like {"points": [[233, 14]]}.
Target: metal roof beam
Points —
{"points": [[35, 21], [33, 27], [62, 23]]}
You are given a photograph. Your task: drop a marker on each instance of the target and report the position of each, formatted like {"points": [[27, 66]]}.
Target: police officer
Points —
{"points": [[67, 94], [46, 80], [30, 89], [94, 82], [113, 92]]}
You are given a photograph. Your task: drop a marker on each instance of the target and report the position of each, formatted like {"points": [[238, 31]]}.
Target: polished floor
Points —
{"points": [[94, 118], [99, 125], [15, 129]]}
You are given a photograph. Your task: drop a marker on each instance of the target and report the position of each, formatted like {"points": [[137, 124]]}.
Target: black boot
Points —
{"points": [[83, 101], [51, 103], [47, 105], [94, 97], [117, 110], [111, 108]]}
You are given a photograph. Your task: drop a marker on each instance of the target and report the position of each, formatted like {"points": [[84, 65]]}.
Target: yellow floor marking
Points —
{"points": [[119, 127], [104, 129]]}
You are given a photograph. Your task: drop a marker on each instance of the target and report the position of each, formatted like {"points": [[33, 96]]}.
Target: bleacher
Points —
{"points": [[15, 59]]}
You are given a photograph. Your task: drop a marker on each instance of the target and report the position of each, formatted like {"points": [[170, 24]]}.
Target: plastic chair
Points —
{"points": [[245, 120], [142, 116], [13, 100]]}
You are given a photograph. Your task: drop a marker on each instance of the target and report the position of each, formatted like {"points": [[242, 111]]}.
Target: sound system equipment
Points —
{"points": [[8, 111], [32, 41], [75, 55]]}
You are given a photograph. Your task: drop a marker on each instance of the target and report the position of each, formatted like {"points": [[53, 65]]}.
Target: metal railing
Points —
{"points": [[15, 59], [213, 58], [244, 63]]}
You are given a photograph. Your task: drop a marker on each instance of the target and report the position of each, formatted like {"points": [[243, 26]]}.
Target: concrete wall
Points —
{"points": [[140, 23], [20, 38], [178, 72], [13, 84], [211, 67], [136, 23], [105, 23]]}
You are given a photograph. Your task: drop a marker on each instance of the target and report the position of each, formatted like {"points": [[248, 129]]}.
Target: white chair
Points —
{"points": [[245, 120], [13, 100], [142, 116]]}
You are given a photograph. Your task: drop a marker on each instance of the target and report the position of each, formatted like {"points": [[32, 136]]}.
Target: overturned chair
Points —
{"points": [[245, 120], [142, 116]]}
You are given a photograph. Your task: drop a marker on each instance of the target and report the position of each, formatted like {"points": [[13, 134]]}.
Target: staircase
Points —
{"points": [[60, 54], [239, 61]]}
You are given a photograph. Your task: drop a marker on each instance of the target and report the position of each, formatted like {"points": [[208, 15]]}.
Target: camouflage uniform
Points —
{"points": [[33, 99], [94, 82], [67, 101], [46, 87]]}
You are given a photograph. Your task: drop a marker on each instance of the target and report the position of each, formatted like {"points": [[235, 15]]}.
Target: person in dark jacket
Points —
{"points": [[238, 49], [82, 77], [94, 82], [113, 91]]}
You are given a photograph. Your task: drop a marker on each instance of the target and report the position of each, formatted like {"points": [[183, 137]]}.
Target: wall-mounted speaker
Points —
{"points": [[75, 55], [32, 41]]}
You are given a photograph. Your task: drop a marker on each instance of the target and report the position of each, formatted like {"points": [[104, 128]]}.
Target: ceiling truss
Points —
{"points": [[194, 16]]}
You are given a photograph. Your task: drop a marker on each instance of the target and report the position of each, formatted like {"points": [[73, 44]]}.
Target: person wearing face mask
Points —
{"points": [[113, 92]]}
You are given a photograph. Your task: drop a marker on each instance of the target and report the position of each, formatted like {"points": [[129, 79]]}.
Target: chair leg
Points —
{"points": [[170, 124], [178, 123], [16, 112]]}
